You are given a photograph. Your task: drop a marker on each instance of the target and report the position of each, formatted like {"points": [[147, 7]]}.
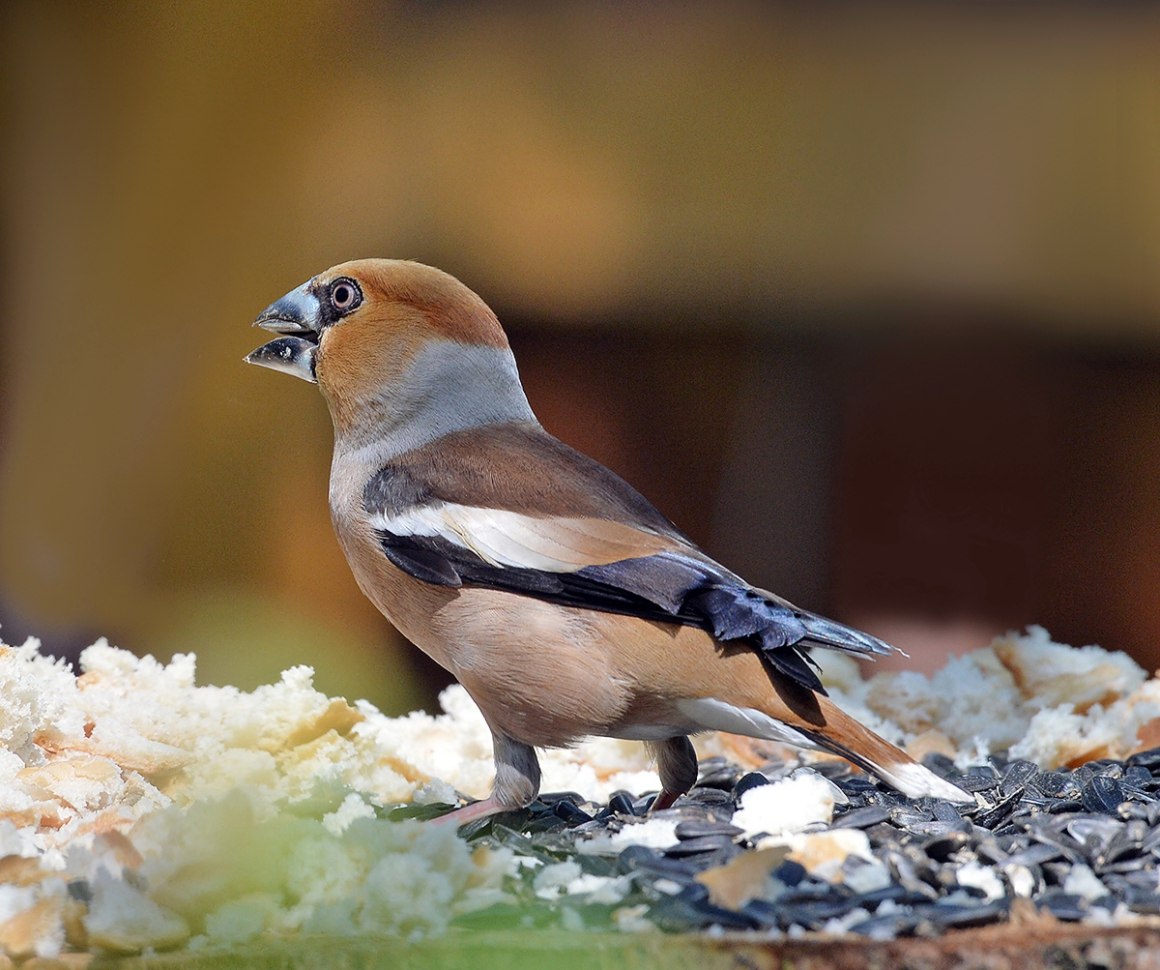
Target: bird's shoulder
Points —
{"points": [[518, 467]]}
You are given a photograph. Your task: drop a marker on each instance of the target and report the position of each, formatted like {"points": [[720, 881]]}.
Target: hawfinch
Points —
{"points": [[564, 603]]}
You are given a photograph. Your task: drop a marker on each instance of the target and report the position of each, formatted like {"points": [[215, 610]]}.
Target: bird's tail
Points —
{"points": [[855, 742], [794, 715]]}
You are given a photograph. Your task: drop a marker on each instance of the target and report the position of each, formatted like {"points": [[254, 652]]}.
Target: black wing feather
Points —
{"points": [[666, 588], [424, 564]]}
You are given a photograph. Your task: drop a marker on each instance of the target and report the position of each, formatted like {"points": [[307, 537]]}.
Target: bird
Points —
{"points": [[561, 599]]}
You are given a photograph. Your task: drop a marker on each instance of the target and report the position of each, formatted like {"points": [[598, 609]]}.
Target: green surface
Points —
{"points": [[542, 950], [1038, 945]]}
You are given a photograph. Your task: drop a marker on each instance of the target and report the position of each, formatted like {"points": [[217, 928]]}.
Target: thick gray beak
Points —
{"points": [[297, 316]]}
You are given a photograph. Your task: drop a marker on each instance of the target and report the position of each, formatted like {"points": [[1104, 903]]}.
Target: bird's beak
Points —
{"points": [[297, 317]]}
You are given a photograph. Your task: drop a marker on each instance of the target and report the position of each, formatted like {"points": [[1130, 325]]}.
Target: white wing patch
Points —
{"points": [[503, 538]]}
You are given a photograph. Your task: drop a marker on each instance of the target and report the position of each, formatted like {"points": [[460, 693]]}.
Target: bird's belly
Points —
{"points": [[549, 675], [649, 731], [540, 673]]}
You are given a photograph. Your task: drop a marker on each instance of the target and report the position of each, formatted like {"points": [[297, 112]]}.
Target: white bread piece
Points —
{"points": [[1055, 704]]}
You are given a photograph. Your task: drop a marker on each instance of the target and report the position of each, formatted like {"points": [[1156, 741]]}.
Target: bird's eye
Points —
{"points": [[345, 295]]}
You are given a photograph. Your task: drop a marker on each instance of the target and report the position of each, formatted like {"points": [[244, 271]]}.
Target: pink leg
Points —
{"points": [[664, 800], [469, 813], [517, 780], [677, 766]]}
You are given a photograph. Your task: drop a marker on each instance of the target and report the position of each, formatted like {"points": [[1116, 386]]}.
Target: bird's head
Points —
{"points": [[391, 341]]}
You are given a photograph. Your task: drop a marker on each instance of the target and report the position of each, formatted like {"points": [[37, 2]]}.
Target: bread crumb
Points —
{"points": [[744, 878], [789, 805], [1054, 704]]}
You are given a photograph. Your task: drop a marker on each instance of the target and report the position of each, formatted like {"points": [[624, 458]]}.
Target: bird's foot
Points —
{"points": [[470, 812]]}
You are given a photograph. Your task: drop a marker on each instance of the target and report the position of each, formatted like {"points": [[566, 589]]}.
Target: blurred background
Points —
{"points": [[866, 299]]}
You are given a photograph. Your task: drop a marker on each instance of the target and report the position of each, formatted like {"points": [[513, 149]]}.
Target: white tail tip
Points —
{"points": [[916, 780]]}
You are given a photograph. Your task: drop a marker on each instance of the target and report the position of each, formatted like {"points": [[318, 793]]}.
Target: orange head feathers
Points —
{"points": [[375, 334]]}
